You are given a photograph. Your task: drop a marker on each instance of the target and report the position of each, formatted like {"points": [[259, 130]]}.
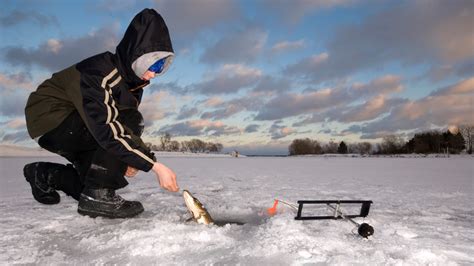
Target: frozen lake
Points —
{"points": [[422, 214]]}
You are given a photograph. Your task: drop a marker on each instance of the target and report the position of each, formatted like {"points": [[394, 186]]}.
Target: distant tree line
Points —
{"points": [[425, 142], [310, 146], [435, 142], [194, 145]]}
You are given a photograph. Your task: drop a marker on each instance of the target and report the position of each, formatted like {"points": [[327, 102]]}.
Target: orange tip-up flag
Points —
{"points": [[272, 211]]}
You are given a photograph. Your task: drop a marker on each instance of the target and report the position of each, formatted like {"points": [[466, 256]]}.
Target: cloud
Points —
{"points": [[15, 137], [251, 128], [293, 11], [223, 131], [333, 103], [180, 129], [464, 87], [13, 102], [229, 79], [16, 17], [464, 69], [116, 5], [20, 80], [220, 109], [232, 107], [376, 135], [305, 67], [213, 101], [384, 85], [186, 112], [277, 131], [156, 106], [186, 18], [171, 87], [239, 47], [317, 117], [199, 128], [16, 123], [287, 46], [325, 131], [56, 54], [13, 131], [368, 110], [272, 84], [445, 106], [439, 72], [222, 113], [378, 89], [450, 105], [412, 33], [292, 104]]}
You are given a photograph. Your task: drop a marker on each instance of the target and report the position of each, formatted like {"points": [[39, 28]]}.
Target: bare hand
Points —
{"points": [[166, 177], [131, 172]]}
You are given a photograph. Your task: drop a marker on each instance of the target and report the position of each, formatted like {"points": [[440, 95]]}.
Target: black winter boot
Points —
{"points": [[38, 176], [104, 202]]}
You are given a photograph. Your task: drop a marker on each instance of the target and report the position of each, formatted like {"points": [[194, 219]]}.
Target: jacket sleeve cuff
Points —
{"points": [[148, 167]]}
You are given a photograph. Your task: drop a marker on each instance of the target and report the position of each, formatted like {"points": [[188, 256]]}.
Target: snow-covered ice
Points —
{"points": [[422, 214]]}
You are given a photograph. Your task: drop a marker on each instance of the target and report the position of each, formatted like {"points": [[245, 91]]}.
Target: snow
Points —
{"points": [[20, 151], [167, 154], [422, 214]]}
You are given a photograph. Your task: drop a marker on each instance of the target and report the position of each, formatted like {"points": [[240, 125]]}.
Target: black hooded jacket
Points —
{"points": [[99, 87]]}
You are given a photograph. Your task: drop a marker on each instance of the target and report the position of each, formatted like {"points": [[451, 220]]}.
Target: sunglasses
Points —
{"points": [[158, 66]]}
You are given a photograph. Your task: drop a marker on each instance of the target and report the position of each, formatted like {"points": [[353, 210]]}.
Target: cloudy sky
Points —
{"points": [[254, 75]]}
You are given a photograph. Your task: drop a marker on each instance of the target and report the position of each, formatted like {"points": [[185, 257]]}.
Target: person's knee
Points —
{"points": [[133, 119]]}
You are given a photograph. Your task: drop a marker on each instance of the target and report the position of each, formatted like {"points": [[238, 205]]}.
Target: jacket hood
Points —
{"points": [[147, 33]]}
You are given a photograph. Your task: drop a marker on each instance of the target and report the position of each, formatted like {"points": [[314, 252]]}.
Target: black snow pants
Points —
{"points": [[92, 166]]}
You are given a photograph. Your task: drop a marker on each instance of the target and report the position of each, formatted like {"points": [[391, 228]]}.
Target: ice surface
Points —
{"points": [[422, 214]]}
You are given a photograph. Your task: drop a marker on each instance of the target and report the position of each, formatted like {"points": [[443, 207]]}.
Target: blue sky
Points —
{"points": [[254, 75]]}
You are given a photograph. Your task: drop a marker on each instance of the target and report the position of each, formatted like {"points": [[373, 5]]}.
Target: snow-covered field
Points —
{"points": [[422, 214]]}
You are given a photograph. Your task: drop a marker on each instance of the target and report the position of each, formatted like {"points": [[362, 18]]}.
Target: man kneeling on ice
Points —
{"points": [[88, 113]]}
